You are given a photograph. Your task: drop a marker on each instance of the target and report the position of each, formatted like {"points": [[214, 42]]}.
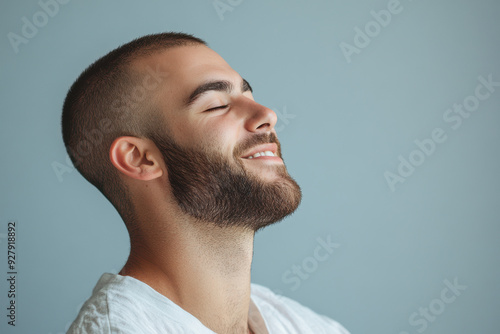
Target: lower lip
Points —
{"points": [[266, 157]]}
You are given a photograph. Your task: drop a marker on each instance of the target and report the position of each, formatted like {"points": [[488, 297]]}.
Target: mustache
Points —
{"points": [[258, 139]]}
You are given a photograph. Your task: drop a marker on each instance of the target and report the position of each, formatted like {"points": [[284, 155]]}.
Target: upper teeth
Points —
{"points": [[259, 154]]}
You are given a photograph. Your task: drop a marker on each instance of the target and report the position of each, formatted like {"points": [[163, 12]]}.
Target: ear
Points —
{"points": [[136, 157]]}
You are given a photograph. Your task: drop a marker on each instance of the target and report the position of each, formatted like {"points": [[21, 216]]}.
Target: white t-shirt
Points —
{"points": [[125, 305]]}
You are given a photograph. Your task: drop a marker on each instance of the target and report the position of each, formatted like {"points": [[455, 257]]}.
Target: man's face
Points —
{"points": [[213, 142]]}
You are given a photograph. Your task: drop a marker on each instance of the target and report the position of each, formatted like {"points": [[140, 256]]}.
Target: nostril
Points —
{"points": [[265, 125]]}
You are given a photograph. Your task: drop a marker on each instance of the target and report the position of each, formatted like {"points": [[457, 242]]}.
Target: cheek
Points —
{"points": [[189, 131], [219, 135], [213, 133], [180, 130]]}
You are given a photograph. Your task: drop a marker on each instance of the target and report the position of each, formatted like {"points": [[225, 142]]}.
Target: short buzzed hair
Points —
{"points": [[108, 100]]}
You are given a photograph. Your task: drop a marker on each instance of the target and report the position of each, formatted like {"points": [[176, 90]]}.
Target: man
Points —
{"points": [[172, 136]]}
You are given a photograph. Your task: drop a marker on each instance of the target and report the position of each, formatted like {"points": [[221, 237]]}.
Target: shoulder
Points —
{"points": [[93, 316], [287, 315], [124, 305], [101, 312]]}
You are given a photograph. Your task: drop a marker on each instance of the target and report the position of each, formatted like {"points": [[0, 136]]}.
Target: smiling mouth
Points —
{"points": [[264, 151], [262, 154], [268, 156]]}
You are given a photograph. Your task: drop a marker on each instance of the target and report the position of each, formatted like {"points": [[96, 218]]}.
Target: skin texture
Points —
{"points": [[200, 258]]}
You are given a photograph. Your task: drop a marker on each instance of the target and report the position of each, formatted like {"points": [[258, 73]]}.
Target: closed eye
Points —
{"points": [[219, 107]]}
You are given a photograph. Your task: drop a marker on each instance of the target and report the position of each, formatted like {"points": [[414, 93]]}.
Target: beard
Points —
{"points": [[215, 189]]}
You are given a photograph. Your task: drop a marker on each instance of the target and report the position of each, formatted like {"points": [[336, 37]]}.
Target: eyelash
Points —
{"points": [[219, 107]]}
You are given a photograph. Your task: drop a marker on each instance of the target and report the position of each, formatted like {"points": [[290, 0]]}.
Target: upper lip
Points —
{"points": [[262, 148]]}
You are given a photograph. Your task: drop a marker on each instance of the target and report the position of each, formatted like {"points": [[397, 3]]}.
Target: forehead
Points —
{"points": [[184, 68]]}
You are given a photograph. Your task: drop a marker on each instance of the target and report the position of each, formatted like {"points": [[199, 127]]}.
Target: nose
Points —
{"points": [[258, 118]]}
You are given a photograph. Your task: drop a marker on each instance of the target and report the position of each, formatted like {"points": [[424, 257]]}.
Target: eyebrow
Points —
{"points": [[218, 85]]}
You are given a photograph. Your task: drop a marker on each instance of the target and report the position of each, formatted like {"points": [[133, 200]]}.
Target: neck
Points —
{"points": [[202, 268]]}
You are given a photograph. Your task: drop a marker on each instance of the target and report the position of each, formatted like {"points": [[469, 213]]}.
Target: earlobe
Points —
{"points": [[132, 156]]}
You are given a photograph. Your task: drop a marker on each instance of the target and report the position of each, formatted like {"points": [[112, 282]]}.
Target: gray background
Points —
{"points": [[342, 125]]}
